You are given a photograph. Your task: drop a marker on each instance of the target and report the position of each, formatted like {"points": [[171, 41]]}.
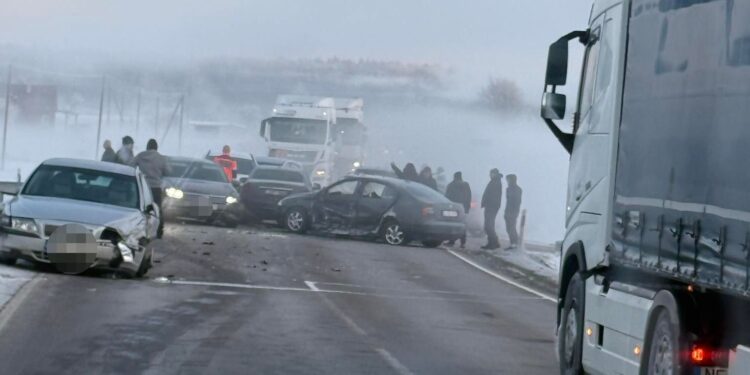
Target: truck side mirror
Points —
{"points": [[557, 64], [263, 128], [553, 106]]}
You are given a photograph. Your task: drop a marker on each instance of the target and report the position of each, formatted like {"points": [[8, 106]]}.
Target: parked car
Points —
{"points": [[278, 162], [196, 189], [81, 214], [395, 210], [267, 185]]}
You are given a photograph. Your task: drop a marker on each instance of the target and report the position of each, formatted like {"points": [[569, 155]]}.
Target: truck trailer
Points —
{"points": [[655, 263]]}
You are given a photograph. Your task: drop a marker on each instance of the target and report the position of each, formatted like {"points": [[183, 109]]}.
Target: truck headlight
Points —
{"points": [[24, 225], [320, 172], [231, 200], [356, 164], [175, 193]]}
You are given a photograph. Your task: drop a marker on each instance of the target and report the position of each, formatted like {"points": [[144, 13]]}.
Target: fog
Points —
{"points": [[419, 66]]}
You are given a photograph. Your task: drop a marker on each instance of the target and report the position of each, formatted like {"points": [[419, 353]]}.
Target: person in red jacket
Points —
{"points": [[226, 163]]}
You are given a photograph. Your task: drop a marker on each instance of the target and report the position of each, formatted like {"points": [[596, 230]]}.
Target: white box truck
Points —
{"points": [[655, 263]]}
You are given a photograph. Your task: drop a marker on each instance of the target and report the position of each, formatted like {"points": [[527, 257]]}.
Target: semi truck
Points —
{"points": [[301, 129], [655, 262], [350, 136]]}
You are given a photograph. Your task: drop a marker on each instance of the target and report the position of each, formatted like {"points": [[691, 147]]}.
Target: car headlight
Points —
{"points": [[174, 193], [24, 225], [320, 172], [125, 252], [231, 200], [356, 164]]}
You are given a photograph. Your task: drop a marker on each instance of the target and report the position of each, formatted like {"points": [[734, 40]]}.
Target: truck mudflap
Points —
{"points": [[739, 362]]}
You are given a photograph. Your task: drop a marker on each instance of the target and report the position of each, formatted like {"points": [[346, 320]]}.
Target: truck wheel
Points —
{"points": [[570, 334], [664, 347], [295, 220]]}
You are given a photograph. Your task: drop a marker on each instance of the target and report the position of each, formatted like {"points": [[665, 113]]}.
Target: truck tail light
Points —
{"points": [[704, 356]]}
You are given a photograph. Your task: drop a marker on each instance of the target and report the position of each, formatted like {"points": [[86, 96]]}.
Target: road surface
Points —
{"points": [[261, 301]]}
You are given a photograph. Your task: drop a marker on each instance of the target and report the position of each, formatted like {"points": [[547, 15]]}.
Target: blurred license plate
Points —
{"points": [[711, 371], [274, 192], [450, 213]]}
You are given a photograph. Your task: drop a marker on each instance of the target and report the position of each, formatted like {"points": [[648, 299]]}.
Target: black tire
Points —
{"points": [[145, 266], [432, 243], [392, 233], [570, 339], [8, 260], [664, 346], [296, 220]]}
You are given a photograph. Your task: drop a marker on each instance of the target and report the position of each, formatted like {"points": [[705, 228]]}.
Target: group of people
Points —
{"points": [[459, 191], [152, 164]]}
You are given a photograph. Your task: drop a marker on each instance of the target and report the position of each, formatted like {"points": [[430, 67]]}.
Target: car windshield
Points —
{"points": [[278, 175], [196, 170], [84, 185]]}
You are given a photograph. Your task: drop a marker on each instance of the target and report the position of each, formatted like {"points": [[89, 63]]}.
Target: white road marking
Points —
{"points": [[395, 364], [311, 285], [503, 278]]}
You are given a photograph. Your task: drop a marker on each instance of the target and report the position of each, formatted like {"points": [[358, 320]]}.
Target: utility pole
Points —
{"points": [[179, 134], [156, 119], [137, 113], [7, 112], [101, 112]]}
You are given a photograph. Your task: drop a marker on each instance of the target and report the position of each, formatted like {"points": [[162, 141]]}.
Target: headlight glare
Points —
{"points": [[175, 193], [356, 164], [231, 199], [320, 172]]}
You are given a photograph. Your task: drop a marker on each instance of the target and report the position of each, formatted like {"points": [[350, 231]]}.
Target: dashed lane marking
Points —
{"points": [[503, 278]]}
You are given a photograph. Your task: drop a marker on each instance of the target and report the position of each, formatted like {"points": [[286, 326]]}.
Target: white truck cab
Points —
{"points": [[655, 263]]}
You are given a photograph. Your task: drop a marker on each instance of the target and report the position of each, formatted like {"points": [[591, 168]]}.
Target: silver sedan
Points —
{"points": [[80, 214]]}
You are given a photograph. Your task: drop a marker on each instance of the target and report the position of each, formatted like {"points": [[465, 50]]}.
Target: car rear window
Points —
{"points": [[196, 170], [278, 175], [425, 193]]}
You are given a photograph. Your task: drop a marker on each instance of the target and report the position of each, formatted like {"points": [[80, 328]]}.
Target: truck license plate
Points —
{"points": [[711, 371]]}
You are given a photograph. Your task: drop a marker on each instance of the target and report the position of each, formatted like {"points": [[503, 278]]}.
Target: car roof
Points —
{"points": [[391, 180], [238, 155], [276, 168], [190, 160], [274, 160], [91, 164]]}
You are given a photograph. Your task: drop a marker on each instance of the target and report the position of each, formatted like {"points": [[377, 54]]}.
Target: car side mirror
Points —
{"points": [[553, 106], [150, 209]]}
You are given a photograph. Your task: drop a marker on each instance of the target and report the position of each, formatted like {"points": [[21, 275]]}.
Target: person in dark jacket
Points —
{"points": [[459, 191], [125, 153], [491, 202], [154, 166], [425, 177], [512, 208], [109, 154], [409, 172]]}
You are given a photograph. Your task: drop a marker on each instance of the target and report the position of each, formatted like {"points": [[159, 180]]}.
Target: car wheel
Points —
{"points": [[570, 332], [144, 267], [393, 233], [664, 347], [8, 260], [431, 243], [295, 220]]}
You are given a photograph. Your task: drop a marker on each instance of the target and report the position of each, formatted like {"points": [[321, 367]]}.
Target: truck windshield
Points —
{"points": [[350, 131], [298, 131]]}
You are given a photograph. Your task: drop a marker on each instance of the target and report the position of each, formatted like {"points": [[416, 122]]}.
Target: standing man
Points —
{"points": [[109, 154], [491, 202], [154, 166], [125, 153], [512, 209], [227, 163], [459, 191]]}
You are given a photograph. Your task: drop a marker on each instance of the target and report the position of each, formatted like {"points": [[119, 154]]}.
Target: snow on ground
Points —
{"points": [[543, 262]]}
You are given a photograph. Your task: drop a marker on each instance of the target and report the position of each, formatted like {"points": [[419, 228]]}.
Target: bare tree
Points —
{"points": [[501, 95]]}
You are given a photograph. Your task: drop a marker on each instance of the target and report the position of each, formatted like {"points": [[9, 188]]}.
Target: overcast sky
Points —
{"points": [[478, 38]]}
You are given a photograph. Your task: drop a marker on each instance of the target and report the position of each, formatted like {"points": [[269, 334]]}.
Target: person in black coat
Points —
{"points": [[459, 191], [491, 202], [425, 177], [512, 209], [109, 154], [409, 172]]}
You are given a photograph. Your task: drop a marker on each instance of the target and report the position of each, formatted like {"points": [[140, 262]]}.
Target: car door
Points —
{"points": [[335, 208], [375, 199]]}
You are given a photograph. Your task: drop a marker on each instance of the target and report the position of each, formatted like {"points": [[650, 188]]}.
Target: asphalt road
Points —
{"points": [[260, 301]]}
